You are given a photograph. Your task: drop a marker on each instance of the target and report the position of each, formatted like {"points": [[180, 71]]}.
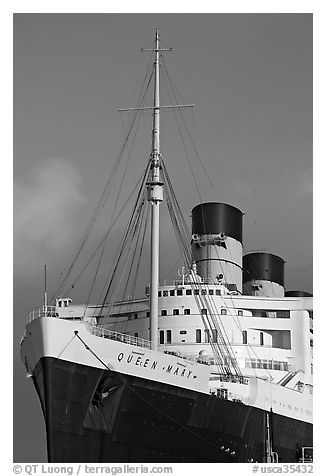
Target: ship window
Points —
{"points": [[175, 312], [271, 313], [164, 312], [172, 292], [198, 336], [168, 337], [211, 292], [261, 338], [136, 334], [187, 311], [223, 312], [218, 292], [165, 293], [65, 303], [188, 292], [214, 335], [265, 364], [60, 303], [240, 313], [204, 311], [148, 314], [160, 294], [196, 292], [204, 292], [244, 337], [283, 314], [183, 332], [179, 292], [161, 337], [206, 335]]}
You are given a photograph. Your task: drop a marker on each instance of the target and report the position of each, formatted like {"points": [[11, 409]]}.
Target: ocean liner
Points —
{"points": [[214, 367]]}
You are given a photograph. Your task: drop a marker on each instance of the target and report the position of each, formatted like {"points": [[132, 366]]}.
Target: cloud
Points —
{"points": [[45, 211]]}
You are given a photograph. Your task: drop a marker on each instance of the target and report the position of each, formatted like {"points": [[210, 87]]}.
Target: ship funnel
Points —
{"points": [[217, 243], [263, 275], [297, 294]]}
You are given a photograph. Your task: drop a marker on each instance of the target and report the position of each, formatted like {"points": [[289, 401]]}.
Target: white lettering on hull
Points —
{"points": [[155, 365]]}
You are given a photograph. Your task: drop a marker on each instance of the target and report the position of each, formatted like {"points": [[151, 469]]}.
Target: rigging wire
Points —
{"points": [[183, 142], [125, 244], [216, 131], [171, 199], [105, 194], [224, 355], [197, 154], [173, 87], [202, 304], [140, 254], [193, 145], [187, 129], [120, 185], [137, 242], [107, 232]]}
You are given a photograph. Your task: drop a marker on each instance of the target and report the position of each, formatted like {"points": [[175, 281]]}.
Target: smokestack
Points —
{"points": [[263, 275], [217, 243], [297, 294]]}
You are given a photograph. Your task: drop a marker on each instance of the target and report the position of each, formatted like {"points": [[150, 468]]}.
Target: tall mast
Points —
{"points": [[155, 188], [155, 196]]}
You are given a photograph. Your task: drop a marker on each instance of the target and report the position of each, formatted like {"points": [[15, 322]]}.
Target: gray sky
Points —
{"points": [[250, 77]]}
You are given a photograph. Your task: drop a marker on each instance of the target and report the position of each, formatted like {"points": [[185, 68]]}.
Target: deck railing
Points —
{"points": [[44, 311], [108, 334]]}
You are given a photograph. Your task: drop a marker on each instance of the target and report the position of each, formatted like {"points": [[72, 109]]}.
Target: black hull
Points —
{"points": [[98, 416]]}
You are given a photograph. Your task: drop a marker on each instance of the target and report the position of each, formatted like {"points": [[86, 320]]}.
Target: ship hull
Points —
{"points": [[98, 415]]}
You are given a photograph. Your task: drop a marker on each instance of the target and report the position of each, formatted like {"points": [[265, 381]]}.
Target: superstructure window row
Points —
{"points": [[187, 311], [280, 313], [175, 312], [165, 312], [189, 292], [266, 364], [209, 336]]}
